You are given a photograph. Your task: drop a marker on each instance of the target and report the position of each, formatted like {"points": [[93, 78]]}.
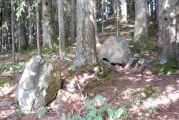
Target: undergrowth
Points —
{"points": [[143, 46], [13, 68], [167, 68]]}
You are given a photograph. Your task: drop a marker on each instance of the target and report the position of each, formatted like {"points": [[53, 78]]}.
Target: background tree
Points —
{"points": [[62, 51], [86, 47], [73, 19], [124, 11], [169, 31], [47, 26], [12, 30], [38, 28], [141, 20]]}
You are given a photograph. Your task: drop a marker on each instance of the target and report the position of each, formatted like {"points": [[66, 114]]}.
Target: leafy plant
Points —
{"points": [[98, 113], [151, 110], [5, 82], [18, 113], [41, 112]]}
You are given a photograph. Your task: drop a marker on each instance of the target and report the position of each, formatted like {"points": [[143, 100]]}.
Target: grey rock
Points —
{"points": [[137, 55], [114, 50], [39, 83], [132, 63], [5, 103]]}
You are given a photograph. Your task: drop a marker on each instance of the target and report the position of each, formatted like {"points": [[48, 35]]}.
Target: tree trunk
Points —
{"points": [[123, 11], [141, 20], [47, 24], [95, 23], [73, 19], [38, 29], [12, 30], [102, 2], [117, 25], [62, 51], [86, 46], [169, 30], [159, 19], [21, 34], [30, 23]]}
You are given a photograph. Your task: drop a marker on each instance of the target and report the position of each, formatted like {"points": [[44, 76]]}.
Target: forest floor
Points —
{"points": [[120, 87]]}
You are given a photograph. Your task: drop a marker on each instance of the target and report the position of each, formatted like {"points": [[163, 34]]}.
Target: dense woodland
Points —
{"points": [[71, 32]]}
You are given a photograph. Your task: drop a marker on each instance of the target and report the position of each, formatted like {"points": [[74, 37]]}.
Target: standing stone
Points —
{"points": [[39, 84], [114, 50]]}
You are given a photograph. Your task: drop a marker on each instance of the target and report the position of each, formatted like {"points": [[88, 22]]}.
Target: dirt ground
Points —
{"points": [[119, 90]]}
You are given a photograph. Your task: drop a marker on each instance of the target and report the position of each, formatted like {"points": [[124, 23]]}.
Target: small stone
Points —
{"points": [[5, 103]]}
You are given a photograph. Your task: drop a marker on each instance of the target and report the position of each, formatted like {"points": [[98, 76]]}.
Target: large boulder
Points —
{"points": [[114, 50], [39, 84]]}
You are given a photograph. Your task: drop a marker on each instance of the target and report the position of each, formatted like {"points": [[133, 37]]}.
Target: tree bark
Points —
{"points": [[21, 34], [38, 29], [95, 23], [169, 30], [62, 51], [12, 30], [124, 11], [86, 46], [141, 20], [47, 24], [73, 19]]}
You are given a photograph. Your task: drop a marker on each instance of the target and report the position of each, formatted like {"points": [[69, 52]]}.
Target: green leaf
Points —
{"points": [[41, 112], [119, 112], [98, 117], [76, 117], [102, 110], [110, 112], [98, 98], [89, 104], [150, 110], [93, 112], [63, 116], [88, 117]]}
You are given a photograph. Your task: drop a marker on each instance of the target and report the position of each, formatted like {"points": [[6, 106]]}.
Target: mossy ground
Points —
{"points": [[5, 82], [168, 68], [143, 46]]}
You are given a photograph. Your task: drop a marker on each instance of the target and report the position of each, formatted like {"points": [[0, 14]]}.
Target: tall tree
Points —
{"points": [[86, 47], [47, 34], [169, 32], [124, 11], [95, 23], [141, 20], [38, 28], [12, 30], [21, 33], [73, 19], [159, 18], [62, 51]]}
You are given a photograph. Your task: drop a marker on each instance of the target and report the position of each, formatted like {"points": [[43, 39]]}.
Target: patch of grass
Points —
{"points": [[13, 68], [69, 43], [69, 49], [131, 21], [33, 53], [103, 74], [168, 68], [107, 24], [105, 34], [5, 82], [143, 46], [147, 91], [152, 33], [90, 86], [45, 50]]}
